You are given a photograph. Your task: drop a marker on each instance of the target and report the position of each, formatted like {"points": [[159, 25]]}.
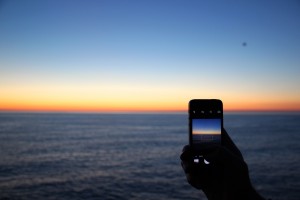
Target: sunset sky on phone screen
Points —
{"points": [[206, 126]]}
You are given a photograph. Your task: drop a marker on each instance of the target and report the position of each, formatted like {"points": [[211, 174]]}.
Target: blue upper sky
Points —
{"points": [[189, 48]]}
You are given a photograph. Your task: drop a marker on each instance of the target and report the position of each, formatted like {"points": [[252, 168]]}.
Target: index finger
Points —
{"points": [[229, 144]]}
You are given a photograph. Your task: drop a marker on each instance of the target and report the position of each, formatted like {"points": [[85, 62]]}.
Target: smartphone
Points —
{"points": [[205, 123]]}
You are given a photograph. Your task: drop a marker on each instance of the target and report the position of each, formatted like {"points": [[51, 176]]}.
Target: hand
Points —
{"points": [[226, 176]]}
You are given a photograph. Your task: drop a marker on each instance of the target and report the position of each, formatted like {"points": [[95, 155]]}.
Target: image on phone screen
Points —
{"points": [[206, 131]]}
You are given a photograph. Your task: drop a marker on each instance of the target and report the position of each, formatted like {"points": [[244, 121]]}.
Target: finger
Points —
{"points": [[229, 144], [187, 153], [186, 148], [186, 167]]}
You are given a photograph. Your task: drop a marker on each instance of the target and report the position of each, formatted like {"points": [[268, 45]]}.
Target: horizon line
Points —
{"points": [[229, 111]]}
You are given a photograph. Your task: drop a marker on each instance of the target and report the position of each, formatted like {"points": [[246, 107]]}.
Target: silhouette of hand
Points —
{"points": [[226, 176]]}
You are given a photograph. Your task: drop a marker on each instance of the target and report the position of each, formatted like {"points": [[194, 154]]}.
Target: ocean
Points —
{"points": [[135, 156]]}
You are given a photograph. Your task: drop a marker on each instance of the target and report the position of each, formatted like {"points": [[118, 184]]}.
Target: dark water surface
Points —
{"points": [[134, 156]]}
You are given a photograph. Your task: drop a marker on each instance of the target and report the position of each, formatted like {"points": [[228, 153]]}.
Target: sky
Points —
{"points": [[150, 55]]}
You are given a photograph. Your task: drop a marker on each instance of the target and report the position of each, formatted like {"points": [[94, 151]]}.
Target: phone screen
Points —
{"points": [[206, 131], [206, 122]]}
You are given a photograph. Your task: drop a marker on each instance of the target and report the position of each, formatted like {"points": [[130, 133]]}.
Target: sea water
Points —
{"points": [[135, 156]]}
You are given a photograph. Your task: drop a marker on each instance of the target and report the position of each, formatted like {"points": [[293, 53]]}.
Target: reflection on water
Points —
{"points": [[131, 156]]}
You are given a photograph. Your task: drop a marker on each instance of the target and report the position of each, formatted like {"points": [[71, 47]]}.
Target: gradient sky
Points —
{"points": [[149, 55], [206, 126]]}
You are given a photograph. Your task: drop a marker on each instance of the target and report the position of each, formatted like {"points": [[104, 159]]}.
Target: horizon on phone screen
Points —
{"points": [[205, 131]]}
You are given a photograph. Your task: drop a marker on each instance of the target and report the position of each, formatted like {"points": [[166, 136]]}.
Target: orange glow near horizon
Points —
{"points": [[120, 105], [131, 98], [139, 107], [263, 106]]}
